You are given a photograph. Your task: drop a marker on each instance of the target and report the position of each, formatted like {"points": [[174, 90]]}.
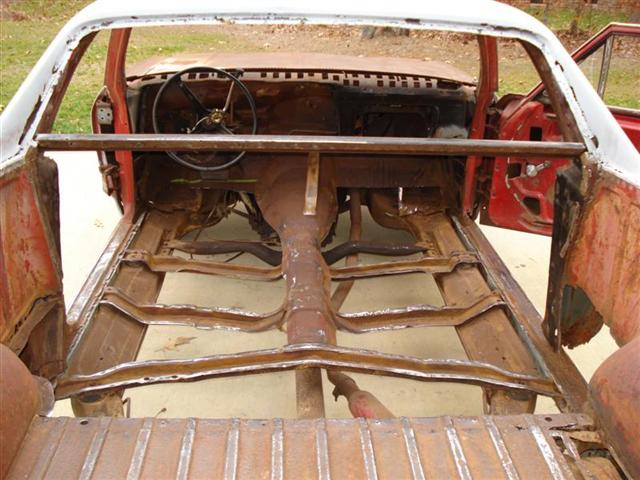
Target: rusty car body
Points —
{"points": [[298, 142]]}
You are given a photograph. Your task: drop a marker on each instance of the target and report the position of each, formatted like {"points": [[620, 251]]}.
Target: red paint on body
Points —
{"points": [[26, 269], [605, 258]]}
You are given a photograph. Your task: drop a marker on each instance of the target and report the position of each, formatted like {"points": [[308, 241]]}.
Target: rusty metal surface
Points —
{"points": [[297, 204], [485, 94], [20, 400], [17, 338], [418, 315], [104, 268], [247, 321], [28, 272], [489, 338], [362, 404], [295, 200], [303, 143], [108, 337], [309, 313], [300, 62], [190, 315], [257, 249], [603, 260], [104, 336], [274, 257], [341, 292], [300, 356], [354, 247], [169, 263], [615, 393], [506, 366], [283, 194], [557, 364], [311, 191], [509, 366], [499, 447], [426, 264], [31, 303]]}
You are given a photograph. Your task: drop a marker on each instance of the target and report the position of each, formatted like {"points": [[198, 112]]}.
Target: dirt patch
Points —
{"points": [[452, 48], [8, 14], [460, 50]]}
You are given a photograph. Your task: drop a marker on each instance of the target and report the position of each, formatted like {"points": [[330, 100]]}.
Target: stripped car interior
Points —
{"points": [[292, 143]]}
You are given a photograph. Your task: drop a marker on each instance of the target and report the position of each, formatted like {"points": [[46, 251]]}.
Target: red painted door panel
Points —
{"points": [[522, 190], [630, 123]]}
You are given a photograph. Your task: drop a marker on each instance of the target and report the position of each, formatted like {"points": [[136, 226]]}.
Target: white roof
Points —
{"points": [[471, 12], [613, 150]]}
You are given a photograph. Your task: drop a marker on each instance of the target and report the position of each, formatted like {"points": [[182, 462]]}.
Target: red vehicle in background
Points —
{"points": [[595, 57]]}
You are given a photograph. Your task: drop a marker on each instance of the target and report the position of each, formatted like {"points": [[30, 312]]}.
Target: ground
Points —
{"points": [[27, 27]]}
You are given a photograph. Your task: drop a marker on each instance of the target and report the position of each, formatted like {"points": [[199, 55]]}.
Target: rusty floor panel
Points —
{"points": [[492, 447]]}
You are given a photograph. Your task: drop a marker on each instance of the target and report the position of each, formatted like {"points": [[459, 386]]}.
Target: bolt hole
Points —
{"points": [[548, 419], [84, 422], [532, 204]]}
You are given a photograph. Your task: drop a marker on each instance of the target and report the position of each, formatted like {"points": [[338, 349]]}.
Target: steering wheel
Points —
{"points": [[203, 119]]}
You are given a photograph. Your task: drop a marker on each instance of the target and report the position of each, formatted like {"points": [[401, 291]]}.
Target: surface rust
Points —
{"points": [[19, 403], [300, 204], [143, 142], [496, 447], [299, 356], [491, 337], [416, 161], [603, 260], [309, 312], [27, 271], [615, 390]]}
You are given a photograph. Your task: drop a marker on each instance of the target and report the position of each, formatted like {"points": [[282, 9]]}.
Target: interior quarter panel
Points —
{"points": [[603, 260], [31, 302]]}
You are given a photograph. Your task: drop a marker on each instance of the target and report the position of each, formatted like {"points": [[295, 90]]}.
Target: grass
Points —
{"points": [[623, 87], [25, 33], [76, 107], [516, 73], [21, 44], [589, 20], [28, 26], [26, 29], [51, 11]]}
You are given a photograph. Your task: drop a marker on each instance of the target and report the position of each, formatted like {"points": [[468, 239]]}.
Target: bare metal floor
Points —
{"points": [[519, 446]]}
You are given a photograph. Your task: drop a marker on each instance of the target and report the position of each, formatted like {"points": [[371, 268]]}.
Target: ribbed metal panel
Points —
{"points": [[509, 447]]}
